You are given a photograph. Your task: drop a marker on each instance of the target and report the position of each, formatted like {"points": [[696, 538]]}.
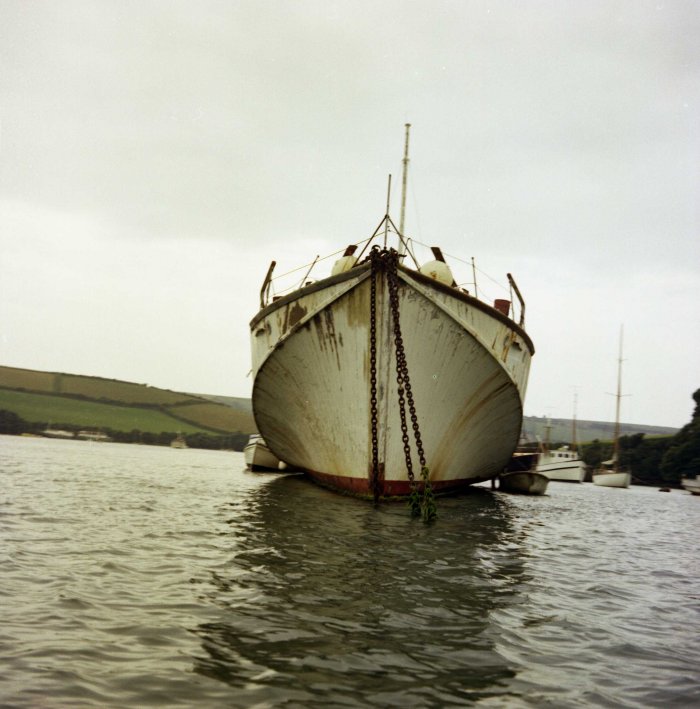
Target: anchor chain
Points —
{"points": [[387, 259], [373, 378]]}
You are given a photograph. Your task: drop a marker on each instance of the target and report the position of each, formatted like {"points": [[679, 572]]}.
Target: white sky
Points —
{"points": [[156, 156]]}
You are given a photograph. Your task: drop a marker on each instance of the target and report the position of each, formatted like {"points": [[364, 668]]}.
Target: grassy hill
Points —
{"points": [[561, 429], [77, 400]]}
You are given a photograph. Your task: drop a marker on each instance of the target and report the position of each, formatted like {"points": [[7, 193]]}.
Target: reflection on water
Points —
{"points": [[327, 598]]}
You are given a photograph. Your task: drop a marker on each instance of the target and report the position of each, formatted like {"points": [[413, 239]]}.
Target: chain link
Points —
{"points": [[373, 374], [387, 260]]}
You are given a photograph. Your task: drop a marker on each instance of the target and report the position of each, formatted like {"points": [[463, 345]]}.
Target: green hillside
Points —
{"points": [[95, 402], [561, 430], [61, 410]]}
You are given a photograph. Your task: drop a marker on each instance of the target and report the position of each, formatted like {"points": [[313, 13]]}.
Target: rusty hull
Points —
{"points": [[468, 366]]}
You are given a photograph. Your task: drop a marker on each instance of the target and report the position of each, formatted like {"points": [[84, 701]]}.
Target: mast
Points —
{"points": [[547, 431], [573, 426], [403, 190], [616, 439], [388, 202]]}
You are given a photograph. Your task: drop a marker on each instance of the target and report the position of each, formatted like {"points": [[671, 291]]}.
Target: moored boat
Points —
{"points": [[561, 464], [609, 473], [258, 456], [93, 436], [346, 366], [57, 433], [608, 476], [692, 485], [178, 442], [523, 482]]}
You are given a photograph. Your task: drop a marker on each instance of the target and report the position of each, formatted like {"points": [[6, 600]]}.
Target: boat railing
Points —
{"points": [[467, 277]]}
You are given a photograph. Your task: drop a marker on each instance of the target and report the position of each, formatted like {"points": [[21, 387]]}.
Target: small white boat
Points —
{"points": [[608, 476], [258, 456], [178, 442], [692, 485], [57, 433], [523, 482], [609, 473], [93, 436], [562, 464]]}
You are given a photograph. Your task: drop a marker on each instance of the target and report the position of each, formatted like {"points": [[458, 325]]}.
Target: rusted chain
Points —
{"points": [[373, 376], [387, 260]]}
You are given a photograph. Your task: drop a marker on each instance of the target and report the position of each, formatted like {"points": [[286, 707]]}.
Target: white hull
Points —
{"points": [[468, 367], [259, 457], [612, 479], [563, 470], [692, 485]]}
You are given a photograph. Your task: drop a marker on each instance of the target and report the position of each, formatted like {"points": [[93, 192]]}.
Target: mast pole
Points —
{"points": [[476, 293], [403, 190], [616, 442], [573, 425], [386, 218]]}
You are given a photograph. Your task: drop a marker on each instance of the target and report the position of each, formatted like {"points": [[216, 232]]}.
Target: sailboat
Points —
{"points": [[609, 473], [386, 378]]}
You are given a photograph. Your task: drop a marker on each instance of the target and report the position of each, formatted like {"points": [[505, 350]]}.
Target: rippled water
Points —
{"points": [[135, 576]]}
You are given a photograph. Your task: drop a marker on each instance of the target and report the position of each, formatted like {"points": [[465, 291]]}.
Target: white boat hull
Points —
{"points": [[468, 367], [619, 479], [259, 457], [692, 485], [562, 470]]}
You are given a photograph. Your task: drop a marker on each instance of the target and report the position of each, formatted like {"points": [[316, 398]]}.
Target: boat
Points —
{"points": [[692, 485], [521, 477], [609, 473], [562, 464], [93, 436], [178, 442], [49, 432], [386, 377], [258, 456], [524, 482]]}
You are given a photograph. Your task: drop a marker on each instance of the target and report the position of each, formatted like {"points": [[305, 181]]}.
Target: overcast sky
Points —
{"points": [[156, 156]]}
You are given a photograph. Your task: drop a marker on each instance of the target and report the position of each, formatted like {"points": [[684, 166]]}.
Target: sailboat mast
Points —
{"points": [[616, 441], [403, 190], [573, 426]]}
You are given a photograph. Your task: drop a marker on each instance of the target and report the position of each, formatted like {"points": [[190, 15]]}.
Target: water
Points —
{"points": [[135, 576]]}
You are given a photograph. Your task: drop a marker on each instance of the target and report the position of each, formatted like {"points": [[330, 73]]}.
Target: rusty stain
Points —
{"points": [[356, 303], [264, 330], [510, 337], [292, 314]]}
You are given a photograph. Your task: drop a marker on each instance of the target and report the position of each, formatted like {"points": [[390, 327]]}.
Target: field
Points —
{"points": [[59, 410], [214, 416], [96, 402]]}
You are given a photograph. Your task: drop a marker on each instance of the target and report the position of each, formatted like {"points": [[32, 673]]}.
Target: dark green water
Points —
{"points": [[134, 576]]}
